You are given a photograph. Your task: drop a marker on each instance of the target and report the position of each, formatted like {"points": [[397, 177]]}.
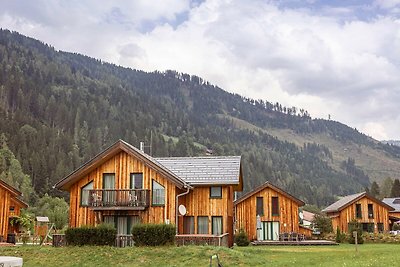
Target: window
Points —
{"points": [[12, 208], [136, 180], [380, 228], [123, 224], [260, 206], [275, 206], [368, 227], [216, 225], [158, 194], [202, 225], [188, 225], [370, 211], [109, 181], [85, 193], [358, 211], [109, 196], [216, 192]]}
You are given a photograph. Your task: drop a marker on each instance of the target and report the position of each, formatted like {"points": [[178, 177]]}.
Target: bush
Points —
{"points": [[241, 238], [340, 237], [102, 235], [323, 223], [355, 226], [153, 234]]}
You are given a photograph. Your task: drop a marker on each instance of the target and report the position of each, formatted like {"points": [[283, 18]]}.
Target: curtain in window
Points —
{"points": [[158, 197], [202, 225], [109, 197], [85, 194], [217, 225], [122, 226], [109, 220], [188, 225], [135, 220]]}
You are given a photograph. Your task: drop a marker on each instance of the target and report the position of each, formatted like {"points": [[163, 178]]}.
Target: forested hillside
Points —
{"points": [[58, 109]]}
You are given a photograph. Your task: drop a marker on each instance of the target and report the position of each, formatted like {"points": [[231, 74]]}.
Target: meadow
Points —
{"points": [[341, 255]]}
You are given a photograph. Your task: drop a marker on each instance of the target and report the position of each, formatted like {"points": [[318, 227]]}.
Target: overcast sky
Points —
{"points": [[328, 57]]}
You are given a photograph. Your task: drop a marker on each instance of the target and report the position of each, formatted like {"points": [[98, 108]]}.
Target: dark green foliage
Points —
{"points": [[102, 235], [396, 227], [395, 192], [241, 238], [340, 237], [352, 227], [153, 234], [322, 223], [375, 190]]}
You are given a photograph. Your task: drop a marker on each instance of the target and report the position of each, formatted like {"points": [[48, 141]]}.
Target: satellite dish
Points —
{"points": [[182, 210]]}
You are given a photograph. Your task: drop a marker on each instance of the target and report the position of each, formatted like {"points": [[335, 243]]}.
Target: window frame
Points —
{"points": [[132, 186], [260, 206], [208, 226], [81, 191], [275, 208], [358, 211], [152, 194], [370, 211], [192, 228], [212, 224], [216, 196]]}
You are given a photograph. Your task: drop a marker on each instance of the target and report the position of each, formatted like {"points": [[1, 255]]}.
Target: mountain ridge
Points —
{"points": [[59, 109]]}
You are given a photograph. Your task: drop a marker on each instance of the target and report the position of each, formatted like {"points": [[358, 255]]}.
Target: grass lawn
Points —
{"points": [[342, 255]]}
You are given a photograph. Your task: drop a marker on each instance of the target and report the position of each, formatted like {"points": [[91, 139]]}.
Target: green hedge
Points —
{"points": [[102, 235], [153, 234]]}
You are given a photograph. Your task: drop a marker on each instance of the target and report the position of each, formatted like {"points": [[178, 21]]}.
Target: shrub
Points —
{"points": [[241, 238], [340, 237], [396, 227], [355, 226], [153, 234], [102, 235], [323, 224]]}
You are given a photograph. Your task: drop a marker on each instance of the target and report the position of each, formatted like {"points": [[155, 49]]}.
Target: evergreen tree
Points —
{"points": [[375, 191], [395, 192]]}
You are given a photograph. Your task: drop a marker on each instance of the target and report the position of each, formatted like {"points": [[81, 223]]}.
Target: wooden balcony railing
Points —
{"points": [[134, 199]]}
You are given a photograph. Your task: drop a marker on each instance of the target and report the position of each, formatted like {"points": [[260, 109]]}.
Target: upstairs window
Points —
{"points": [[215, 192], [358, 211], [275, 206], [158, 194], [85, 194], [136, 180], [370, 211], [260, 206]]}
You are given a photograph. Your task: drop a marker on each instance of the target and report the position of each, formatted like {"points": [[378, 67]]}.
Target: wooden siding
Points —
{"points": [[246, 217], [6, 201], [199, 203], [395, 214], [122, 165], [342, 218]]}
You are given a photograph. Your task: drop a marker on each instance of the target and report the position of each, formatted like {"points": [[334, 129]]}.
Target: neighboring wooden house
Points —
{"points": [[266, 212], [10, 207], [394, 215], [123, 185], [372, 213]]}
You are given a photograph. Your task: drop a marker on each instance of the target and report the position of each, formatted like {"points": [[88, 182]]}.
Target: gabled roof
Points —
{"points": [[15, 193], [224, 170], [308, 216], [273, 187], [348, 200], [108, 153], [393, 202]]}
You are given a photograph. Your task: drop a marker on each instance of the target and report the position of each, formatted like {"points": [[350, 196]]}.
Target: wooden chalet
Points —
{"points": [[10, 207], [372, 213], [123, 185], [267, 212], [394, 215]]}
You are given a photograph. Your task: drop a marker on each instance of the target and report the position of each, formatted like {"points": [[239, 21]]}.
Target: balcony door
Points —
{"points": [[109, 195], [270, 230]]}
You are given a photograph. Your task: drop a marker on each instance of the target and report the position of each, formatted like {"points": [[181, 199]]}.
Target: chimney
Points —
{"points": [[142, 146]]}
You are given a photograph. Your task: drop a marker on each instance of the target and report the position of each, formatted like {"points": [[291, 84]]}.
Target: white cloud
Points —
{"points": [[318, 61]]}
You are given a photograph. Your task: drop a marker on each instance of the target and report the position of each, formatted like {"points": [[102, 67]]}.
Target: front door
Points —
{"points": [[270, 230]]}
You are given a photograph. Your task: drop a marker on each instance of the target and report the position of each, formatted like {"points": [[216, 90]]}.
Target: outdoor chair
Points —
{"points": [[293, 236]]}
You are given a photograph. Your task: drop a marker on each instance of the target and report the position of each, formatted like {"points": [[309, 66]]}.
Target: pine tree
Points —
{"points": [[375, 190], [395, 189]]}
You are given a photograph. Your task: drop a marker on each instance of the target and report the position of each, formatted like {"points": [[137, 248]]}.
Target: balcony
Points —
{"points": [[119, 199]]}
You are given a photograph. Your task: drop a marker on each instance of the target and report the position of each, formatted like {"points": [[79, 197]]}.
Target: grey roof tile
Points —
{"points": [[393, 202], [204, 170], [342, 202]]}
